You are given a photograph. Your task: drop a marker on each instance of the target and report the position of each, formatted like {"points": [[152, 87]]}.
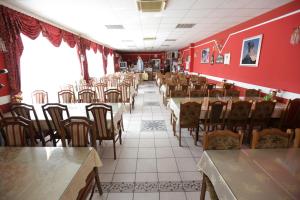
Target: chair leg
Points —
{"points": [[203, 188], [114, 144], [120, 136], [197, 135], [180, 137]]}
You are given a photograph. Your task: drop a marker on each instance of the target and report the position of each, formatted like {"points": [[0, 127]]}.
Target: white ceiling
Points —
{"points": [[89, 17]]}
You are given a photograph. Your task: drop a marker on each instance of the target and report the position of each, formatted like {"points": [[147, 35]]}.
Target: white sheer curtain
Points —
{"points": [[46, 67], [95, 64], [110, 64]]}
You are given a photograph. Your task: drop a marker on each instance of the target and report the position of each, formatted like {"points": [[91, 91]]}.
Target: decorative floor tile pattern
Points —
{"points": [[149, 187], [154, 125], [151, 103]]}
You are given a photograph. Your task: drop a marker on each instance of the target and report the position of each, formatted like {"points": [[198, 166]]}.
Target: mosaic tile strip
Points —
{"points": [[144, 187], [153, 125]]}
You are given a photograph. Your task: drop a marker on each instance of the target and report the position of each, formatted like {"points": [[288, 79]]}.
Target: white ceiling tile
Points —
{"points": [[207, 4], [198, 13], [181, 4], [170, 20]]}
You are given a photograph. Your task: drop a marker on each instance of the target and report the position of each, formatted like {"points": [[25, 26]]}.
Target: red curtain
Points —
{"points": [[105, 53], [12, 23]]}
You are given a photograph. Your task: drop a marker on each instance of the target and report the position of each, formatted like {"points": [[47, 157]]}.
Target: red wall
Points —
{"points": [[131, 57], [279, 62], [4, 80]]}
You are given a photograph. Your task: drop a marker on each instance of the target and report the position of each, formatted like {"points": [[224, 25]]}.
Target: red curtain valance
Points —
{"points": [[12, 23]]}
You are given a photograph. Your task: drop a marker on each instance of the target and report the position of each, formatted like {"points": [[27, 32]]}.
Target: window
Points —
{"points": [[110, 64], [46, 67], [95, 64]]}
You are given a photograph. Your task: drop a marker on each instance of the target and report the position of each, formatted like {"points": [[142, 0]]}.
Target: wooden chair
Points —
{"points": [[113, 96], [66, 96], [86, 96], [125, 89], [252, 93], [16, 130], [291, 116], [188, 118], [216, 93], [29, 113], [39, 97], [218, 140], [197, 93], [54, 114], [232, 93], [103, 123], [80, 131], [215, 115], [100, 88], [199, 86], [239, 115], [261, 115], [166, 96], [228, 86], [270, 138]]}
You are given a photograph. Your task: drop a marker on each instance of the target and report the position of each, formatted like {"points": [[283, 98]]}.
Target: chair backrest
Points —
{"points": [[269, 139], [113, 81], [15, 131], [66, 96], [291, 118], [252, 93], [100, 88], [39, 97], [222, 140], [25, 110], [240, 111], [125, 91], [67, 87], [232, 93], [79, 128], [189, 114], [228, 86], [86, 96], [210, 86], [178, 93], [85, 86], [263, 110], [170, 87], [113, 96], [197, 93], [216, 93], [102, 117], [54, 112], [216, 111]]}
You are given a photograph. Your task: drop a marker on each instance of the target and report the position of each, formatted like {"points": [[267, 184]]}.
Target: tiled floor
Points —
{"points": [[150, 164]]}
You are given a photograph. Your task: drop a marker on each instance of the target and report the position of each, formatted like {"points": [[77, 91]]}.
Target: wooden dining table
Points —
{"points": [[258, 174], [34, 173], [174, 104]]}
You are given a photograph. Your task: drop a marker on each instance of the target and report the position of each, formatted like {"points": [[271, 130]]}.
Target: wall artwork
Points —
{"points": [[220, 59], [227, 58], [251, 51], [205, 56]]}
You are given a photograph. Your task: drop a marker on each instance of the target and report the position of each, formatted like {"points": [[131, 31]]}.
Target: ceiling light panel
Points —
{"points": [[116, 26], [151, 5]]}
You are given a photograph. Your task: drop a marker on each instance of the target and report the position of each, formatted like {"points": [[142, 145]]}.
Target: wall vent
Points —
{"points": [[118, 26], [185, 25]]}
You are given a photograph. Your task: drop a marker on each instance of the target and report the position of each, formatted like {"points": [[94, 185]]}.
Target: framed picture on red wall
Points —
{"points": [[251, 51], [205, 55]]}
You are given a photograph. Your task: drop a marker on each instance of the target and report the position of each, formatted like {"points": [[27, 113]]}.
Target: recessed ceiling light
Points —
{"points": [[150, 38], [165, 45], [116, 26], [170, 40], [151, 5], [185, 25], [127, 40]]}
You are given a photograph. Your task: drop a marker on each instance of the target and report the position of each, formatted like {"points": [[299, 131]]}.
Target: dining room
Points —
{"points": [[150, 99]]}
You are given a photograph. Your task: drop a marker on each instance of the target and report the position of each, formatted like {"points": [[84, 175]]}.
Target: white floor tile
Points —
{"points": [[129, 153], [109, 165], [186, 164], [146, 142], [120, 196], [193, 195], [106, 177], [146, 165], [172, 196], [146, 196], [126, 166], [164, 152], [162, 143], [182, 152], [124, 177], [169, 177], [166, 165], [146, 153], [191, 176], [146, 177]]}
